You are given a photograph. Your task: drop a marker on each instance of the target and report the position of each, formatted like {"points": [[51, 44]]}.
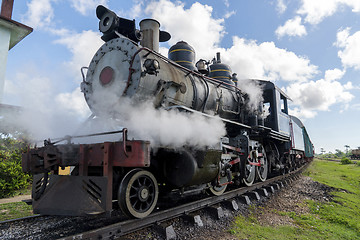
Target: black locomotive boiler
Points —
{"points": [[130, 172]]}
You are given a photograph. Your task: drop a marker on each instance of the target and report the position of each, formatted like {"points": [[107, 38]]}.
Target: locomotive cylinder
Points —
{"points": [[186, 168]]}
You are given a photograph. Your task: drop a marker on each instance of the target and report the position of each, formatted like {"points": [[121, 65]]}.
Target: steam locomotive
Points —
{"points": [[355, 154], [258, 142]]}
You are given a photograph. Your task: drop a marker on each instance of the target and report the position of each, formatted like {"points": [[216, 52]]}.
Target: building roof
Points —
{"points": [[18, 30]]}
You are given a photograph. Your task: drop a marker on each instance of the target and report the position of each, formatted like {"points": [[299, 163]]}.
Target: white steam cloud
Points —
{"points": [[44, 113], [163, 128], [174, 128], [254, 92]]}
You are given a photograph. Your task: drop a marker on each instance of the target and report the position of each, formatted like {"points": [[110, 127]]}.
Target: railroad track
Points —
{"points": [[110, 228], [126, 227]]}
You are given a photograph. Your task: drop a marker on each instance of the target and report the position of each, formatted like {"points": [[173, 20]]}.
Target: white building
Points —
{"points": [[11, 32]]}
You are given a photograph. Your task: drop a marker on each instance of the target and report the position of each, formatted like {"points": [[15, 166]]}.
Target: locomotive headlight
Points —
{"points": [[156, 64], [151, 66], [106, 75]]}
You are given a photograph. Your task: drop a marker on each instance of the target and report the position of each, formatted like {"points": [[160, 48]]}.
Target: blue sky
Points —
{"points": [[308, 48]]}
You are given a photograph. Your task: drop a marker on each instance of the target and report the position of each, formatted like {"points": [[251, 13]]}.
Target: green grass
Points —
{"points": [[25, 191], [338, 219], [14, 210]]}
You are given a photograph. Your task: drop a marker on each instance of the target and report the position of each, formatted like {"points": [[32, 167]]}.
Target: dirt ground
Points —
{"points": [[15, 199], [292, 199]]}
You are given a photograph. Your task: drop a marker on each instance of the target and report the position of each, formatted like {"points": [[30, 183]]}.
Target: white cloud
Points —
{"points": [[317, 95], [82, 45], [354, 4], [341, 37], [135, 11], [229, 14], [349, 86], [292, 27], [85, 6], [40, 14], [74, 103], [334, 74], [198, 27], [248, 58], [266, 61], [350, 45], [313, 12], [30, 91], [302, 113], [317, 11], [281, 6], [46, 112]]}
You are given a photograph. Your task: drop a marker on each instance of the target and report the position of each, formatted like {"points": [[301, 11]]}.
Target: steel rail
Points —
{"points": [[132, 225], [21, 219]]}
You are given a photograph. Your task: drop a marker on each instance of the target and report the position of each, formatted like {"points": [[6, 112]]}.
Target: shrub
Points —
{"points": [[345, 160], [11, 176]]}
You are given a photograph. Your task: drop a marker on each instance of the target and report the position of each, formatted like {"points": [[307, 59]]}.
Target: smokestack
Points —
{"points": [[6, 8], [150, 29]]}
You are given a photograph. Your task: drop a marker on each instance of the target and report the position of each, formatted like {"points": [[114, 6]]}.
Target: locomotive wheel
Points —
{"points": [[250, 173], [262, 171], [215, 190], [138, 193]]}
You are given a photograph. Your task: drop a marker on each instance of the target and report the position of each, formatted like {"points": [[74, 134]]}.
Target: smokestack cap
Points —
{"points": [[164, 36]]}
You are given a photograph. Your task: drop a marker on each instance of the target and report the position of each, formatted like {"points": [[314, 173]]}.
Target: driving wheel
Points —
{"points": [[138, 193]]}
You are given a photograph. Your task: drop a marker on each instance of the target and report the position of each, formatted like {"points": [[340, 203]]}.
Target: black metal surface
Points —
{"points": [[126, 227], [79, 196]]}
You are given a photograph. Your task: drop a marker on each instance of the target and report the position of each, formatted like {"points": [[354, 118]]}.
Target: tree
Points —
{"points": [[12, 177], [339, 153], [347, 148], [322, 150]]}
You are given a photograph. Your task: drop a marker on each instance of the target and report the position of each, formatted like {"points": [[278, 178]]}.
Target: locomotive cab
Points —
{"points": [[275, 108]]}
